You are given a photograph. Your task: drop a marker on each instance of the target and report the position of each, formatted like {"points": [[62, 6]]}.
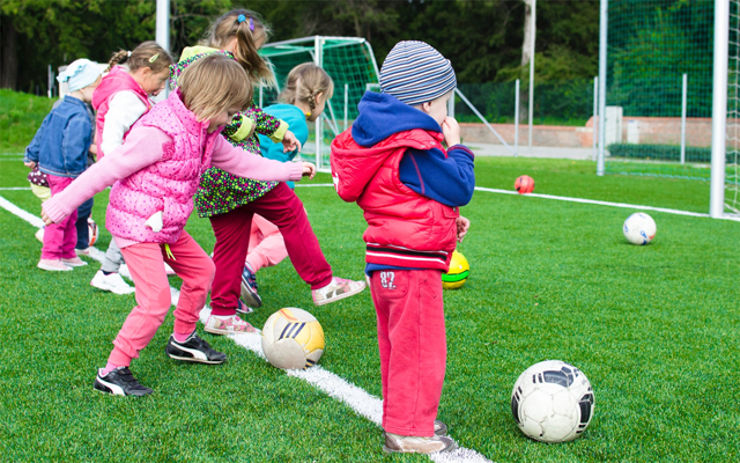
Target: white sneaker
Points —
{"points": [[228, 325], [111, 282], [417, 444], [73, 261], [339, 288], [53, 265]]}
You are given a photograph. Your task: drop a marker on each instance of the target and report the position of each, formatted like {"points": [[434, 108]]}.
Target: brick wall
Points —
{"points": [[648, 130]]}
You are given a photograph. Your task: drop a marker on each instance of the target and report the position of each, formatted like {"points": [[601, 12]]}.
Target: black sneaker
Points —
{"points": [[120, 382], [194, 349]]}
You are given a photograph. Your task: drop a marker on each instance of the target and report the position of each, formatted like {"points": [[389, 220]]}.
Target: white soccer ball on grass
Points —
{"points": [[639, 228]]}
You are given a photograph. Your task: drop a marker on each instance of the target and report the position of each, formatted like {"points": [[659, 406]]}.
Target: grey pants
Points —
{"points": [[113, 258]]}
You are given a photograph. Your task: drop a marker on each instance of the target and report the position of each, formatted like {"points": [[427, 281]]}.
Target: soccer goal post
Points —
{"points": [[670, 81], [350, 63]]}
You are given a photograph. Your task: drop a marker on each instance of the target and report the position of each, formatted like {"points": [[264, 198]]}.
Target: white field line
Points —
{"points": [[604, 203], [575, 200], [334, 386]]}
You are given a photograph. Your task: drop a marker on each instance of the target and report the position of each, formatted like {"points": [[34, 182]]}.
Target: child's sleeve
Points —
{"points": [[267, 124], [124, 109], [240, 127], [77, 138], [138, 151], [448, 179], [34, 148], [250, 165]]}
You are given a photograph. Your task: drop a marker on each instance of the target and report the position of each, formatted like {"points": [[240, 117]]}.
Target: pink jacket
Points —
{"points": [[158, 168], [117, 80]]}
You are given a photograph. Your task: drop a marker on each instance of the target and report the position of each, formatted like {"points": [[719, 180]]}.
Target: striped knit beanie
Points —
{"points": [[414, 72]]}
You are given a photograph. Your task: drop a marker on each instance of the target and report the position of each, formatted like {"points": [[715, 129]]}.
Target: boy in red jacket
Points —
{"points": [[402, 162]]}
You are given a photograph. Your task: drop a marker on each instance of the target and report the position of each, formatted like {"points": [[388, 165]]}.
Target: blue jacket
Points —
{"points": [[297, 124], [60, 146], [446, 178]]}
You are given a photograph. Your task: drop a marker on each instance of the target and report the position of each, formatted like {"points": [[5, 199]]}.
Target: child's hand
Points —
{"points": [[30, 164], [462, 227], [451, 131], [290, 142], [45, 218], [309, 170]]}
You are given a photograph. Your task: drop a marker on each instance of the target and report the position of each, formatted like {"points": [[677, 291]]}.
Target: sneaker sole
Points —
{"points": [[225, 332], [251, 299], [107, 388], [102, 287], [340, 297], [111, 389], [450, 448], [54, 269], [193, 358], [75, 265]]}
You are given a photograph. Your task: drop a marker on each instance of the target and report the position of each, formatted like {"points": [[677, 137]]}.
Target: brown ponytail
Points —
{"points": [[249, 30], [147, 54]]}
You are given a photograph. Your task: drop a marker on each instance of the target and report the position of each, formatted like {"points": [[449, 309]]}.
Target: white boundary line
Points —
{"points": [[578, 200], [334, 386]]}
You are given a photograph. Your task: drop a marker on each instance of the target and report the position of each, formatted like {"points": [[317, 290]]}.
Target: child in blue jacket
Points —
{"points": [[60, 150]]}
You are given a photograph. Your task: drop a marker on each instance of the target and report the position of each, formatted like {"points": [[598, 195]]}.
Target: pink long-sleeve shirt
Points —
{"points": [[140, 151]]}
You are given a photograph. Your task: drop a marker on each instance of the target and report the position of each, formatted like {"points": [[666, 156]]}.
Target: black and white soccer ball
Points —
{"points": [[552, 401]]}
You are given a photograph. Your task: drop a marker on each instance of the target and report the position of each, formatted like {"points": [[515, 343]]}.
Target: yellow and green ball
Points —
{"points": [[458, 272]]}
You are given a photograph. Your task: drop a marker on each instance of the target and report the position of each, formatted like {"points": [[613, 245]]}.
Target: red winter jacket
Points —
{"points": [[405, 229]]}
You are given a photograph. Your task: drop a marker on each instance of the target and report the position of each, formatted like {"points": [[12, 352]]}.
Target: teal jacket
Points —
{"points": [[296, 122]]}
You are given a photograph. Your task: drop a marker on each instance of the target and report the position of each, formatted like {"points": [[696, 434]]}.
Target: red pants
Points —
{"points": [[60, 238], [146, 263], [282, 207], [413, 348]]}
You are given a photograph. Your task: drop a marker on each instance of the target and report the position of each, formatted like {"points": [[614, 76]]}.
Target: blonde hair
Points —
{"points": [[213, 84], [148, 54], [304, 83], [248, 28]]}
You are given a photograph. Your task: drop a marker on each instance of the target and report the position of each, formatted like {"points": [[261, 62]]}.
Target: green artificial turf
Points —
{"points": [[654, 328]]}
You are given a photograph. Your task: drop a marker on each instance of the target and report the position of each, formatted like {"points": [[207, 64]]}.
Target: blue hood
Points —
{"points": [[382, 115]]}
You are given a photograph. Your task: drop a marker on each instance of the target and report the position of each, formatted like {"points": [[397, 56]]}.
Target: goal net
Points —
{"points": [[660, 63], [732, 141], [350, 63]]}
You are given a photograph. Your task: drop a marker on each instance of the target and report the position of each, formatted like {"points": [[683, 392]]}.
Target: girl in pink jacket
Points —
{"points": [[120, 100], [155, 174]]}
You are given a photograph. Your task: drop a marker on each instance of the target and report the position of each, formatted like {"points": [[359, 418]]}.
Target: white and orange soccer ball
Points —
{"points": [[292, 338]]}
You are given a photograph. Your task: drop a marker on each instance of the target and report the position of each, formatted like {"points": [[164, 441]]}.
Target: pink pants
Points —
{"points": [[266, 244], [413, 348], [282, 207], [60, 238], [146, 263]]}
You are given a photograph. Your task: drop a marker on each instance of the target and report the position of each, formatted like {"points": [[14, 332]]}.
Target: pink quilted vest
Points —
{"points": [[117, 80], [167, 185]]}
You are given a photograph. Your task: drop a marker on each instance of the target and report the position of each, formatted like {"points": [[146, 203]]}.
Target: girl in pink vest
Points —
{"points": [[230, 201], [120, 100], [155, 173]]}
